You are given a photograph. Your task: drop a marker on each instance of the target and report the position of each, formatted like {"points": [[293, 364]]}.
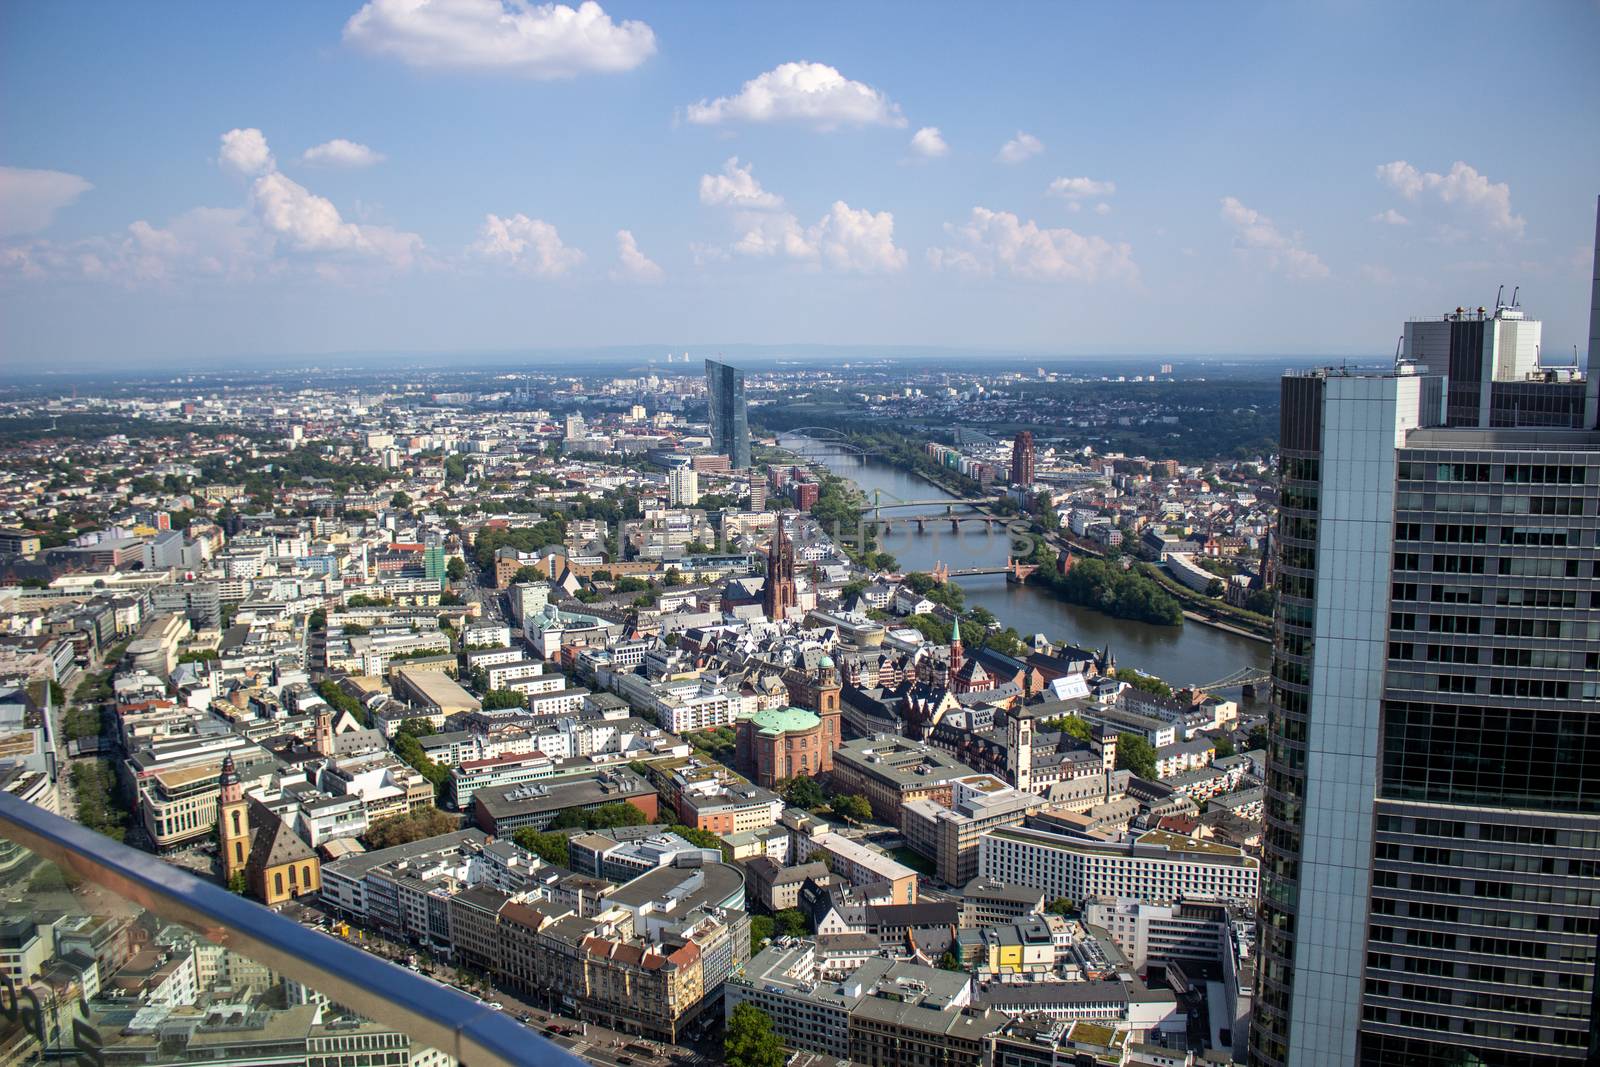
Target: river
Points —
{"points": [[1181, 655]]}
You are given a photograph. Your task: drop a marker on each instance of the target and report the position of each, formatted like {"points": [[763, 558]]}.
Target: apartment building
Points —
{"points": [[1156, 866]]}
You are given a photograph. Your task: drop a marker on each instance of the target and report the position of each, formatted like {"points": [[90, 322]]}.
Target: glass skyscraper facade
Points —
{"points": [[1431, 876], [730, 425]]}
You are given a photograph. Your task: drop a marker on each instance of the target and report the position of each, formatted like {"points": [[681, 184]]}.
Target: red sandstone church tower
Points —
{"points": [[778, 595]]}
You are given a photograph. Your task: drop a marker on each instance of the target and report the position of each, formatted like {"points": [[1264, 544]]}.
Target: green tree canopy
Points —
{"points": [[404, 829], [750, 1040], [851, 807], [1136, 754], [803, 793], [550, 847]]}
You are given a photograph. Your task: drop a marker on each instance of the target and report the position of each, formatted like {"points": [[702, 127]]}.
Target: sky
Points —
{"points": [[185, 184]]}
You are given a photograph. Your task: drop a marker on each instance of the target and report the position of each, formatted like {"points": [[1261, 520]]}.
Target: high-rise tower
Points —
{"points": [[730, 424], [1022, 458], [1432, 830]]}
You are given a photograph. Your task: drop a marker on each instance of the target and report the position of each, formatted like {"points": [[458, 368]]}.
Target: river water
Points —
{"points": [[1186, 654]]}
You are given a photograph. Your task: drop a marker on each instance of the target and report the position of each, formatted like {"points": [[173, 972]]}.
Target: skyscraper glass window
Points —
{"points": [[730, 426]]}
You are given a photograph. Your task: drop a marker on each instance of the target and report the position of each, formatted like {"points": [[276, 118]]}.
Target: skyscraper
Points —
{"points": [[730, 425], [1432, 827], [683, 487], [1022, 458]]}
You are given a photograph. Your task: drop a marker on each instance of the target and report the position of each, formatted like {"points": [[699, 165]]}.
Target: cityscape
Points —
{"points": [[1181, 700]]}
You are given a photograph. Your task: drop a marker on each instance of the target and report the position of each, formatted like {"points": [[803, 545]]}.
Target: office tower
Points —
{"points": [[779, 594], [683, 487], [574, 426], [730, 426], [758, 495], [1022, 458], [1432, 828]]}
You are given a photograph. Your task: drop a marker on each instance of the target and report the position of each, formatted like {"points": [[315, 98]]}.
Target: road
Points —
{"points": [[592, 1042]]}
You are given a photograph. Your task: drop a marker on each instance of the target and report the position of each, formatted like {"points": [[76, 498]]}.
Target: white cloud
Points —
{"points": [[1022, 146], [857, 240], [1254, 232], [341, 153], [310, 223], [997, 242], [542, 41], [845, 239], [811, 93], [245, 152], [1102, 208], [632, 264], [1080, 188], [530, 245], [737, 187], [1463, 189], [29, 199], [928, 143], [1391, 217], [281, 226]]}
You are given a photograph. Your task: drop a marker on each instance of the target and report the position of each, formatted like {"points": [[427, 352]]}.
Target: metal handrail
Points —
{"points": [[430, 1013]]}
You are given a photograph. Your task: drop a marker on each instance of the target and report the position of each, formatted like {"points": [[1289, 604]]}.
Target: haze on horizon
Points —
{"points": [[189, 185]]}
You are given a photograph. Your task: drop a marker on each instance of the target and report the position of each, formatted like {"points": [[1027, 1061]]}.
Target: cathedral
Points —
{"points": [[273, 861], [778, 594]]}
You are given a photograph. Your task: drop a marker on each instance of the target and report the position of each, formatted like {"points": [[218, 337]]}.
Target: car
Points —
{"points": [[493, 1006]]}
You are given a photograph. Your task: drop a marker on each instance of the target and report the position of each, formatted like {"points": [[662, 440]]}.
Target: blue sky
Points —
{"points": [[1146, 178]]}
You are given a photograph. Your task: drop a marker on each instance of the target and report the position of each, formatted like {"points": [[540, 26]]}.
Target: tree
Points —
{"points": [[1136, 754], [238, 884], [761, 927], [496, 699], [417, 727], [527, 574], [803, 793], [1215, 587], [1257, 741], [949, 962], [696, 836], [1060, 906], [605, 817], [415, 826], [750, 1040], [792, 922], [550, 847], [851, 807], [1224, 746], [1148, 682], [1074, 726], [672, 577], [400, 500]]}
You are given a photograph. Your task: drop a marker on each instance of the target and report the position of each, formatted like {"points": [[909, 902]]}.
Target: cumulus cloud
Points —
{"points": [[736, 186], [280, 227], [1022, 146], [544, 41], [859, 241], [341, 153], [530, 245], [1080, 188], [1102, 208], [1463, 189], [814, 94], [310, 223], [29, 199], [928, 143], [999, 243], [1255, 233], [1391, 217], [245, 152], [632, 264], [845, 239]]}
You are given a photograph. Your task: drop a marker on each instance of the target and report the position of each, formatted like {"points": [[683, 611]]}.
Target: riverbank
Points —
{"points": [[1213, 611], [1218, 624]]}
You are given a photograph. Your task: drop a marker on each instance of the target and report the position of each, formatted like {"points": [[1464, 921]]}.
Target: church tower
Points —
{"points": [[324, 738], [956, 656], [778, 594], [233, 820], [1019, 748]]}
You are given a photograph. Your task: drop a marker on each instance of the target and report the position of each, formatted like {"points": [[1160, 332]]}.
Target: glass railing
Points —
{"points": [[111, 956]]}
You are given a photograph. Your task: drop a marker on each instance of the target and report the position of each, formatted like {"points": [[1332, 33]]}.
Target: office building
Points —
{"points": [[683, 487], [1157, 866], [1022, 458], [730, 426], [1432, 818]]}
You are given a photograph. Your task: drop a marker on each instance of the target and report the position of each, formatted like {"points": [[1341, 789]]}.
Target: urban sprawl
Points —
{"points": [[598, 696]]}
